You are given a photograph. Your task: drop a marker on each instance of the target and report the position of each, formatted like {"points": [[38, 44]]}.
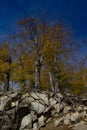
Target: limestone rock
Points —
{"points": [[31, 111], [44, 98], [80, 126], [28, 100], [75, 117], [83, 115], [34, 116], [3, 102], [58, 121], [26, 122], [54, 113], [41, 121], [38, 107], [52, 102], [67, 109], [67, 119], [35, 126], [59, 95], [13, 94], [14, 104], [24, 95], [34, 95], [58, 107]]}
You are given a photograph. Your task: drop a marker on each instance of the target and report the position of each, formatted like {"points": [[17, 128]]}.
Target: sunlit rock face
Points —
{"points": [[33, 110]]}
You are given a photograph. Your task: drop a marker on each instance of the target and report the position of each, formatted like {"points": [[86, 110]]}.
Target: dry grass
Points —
{"points": [[51, 127]]}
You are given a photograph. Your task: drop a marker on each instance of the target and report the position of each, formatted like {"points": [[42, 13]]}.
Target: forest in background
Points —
{"points": [[42, 56]]}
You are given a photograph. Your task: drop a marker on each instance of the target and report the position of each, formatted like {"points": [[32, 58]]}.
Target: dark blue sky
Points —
{"points": [[73, 12]]}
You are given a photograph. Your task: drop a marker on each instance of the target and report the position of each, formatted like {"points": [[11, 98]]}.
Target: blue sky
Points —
{"points": [[73, 12]]}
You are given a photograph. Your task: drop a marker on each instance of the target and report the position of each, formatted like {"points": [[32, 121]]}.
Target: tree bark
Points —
{"points": [[6, 81], [7, 75], [56, 85], [51, 81], [37, 75]]}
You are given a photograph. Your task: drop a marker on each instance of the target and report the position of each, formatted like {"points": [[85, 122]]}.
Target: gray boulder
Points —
{"points": [[26, 122], [35, 126], [37, 107], [28, 100], [67, 119], [3, 102], [80, 126], [34, 116], [43, 97], [58, 107], [34, 95], [41, 121], [75, 117], [58, 121], [13, 94], [67, 109], [52, 102]]}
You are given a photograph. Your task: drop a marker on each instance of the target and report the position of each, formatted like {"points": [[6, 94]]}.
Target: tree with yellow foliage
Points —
{"points": [[5, 65], [56, 52], [47, 46], [42, 54]]}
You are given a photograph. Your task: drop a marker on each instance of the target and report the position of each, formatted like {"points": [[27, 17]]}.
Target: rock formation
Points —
{"points": [[33, 110]]}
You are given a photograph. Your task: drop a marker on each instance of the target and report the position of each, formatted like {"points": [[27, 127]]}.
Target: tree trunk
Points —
{"points": [[6, 81], [56, 85], [7, 75], [37, 75], [51, 81], [23, 85]]}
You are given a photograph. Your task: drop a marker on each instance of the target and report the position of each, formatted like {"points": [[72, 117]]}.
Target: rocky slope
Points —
{"points": [[34, 110]]}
